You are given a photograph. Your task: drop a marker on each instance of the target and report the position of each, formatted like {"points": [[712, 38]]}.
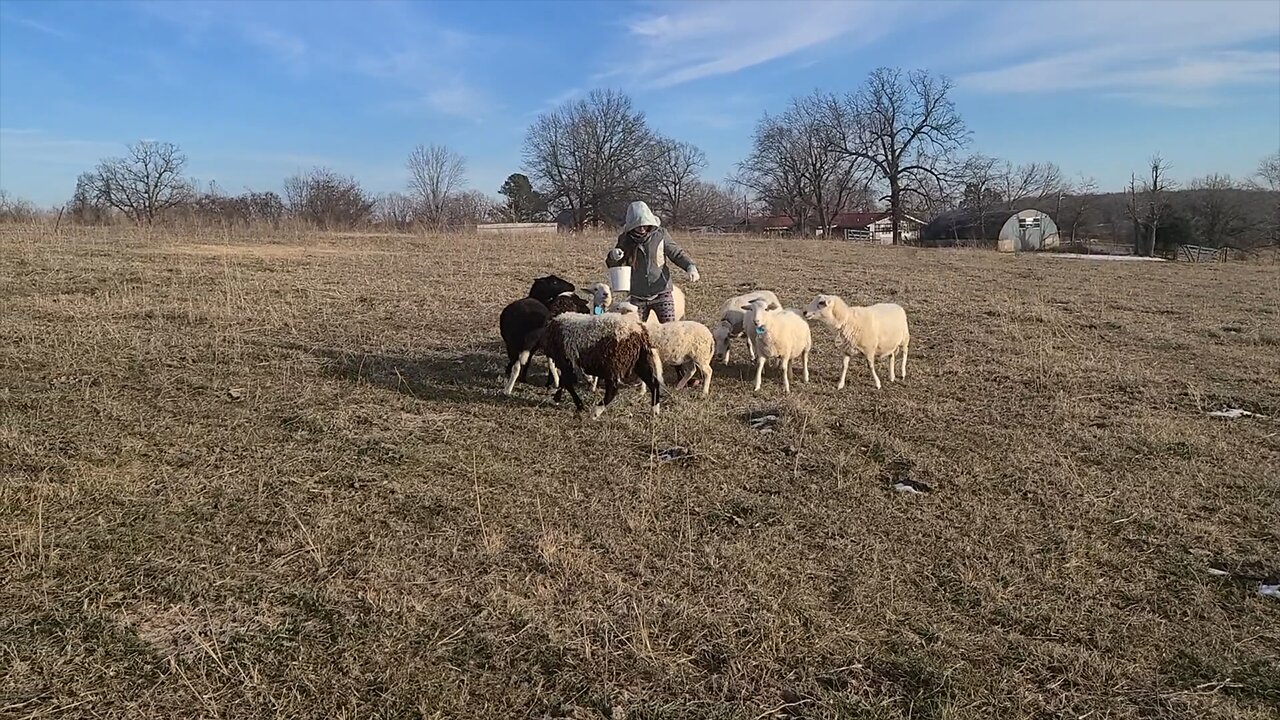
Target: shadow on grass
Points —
{"points": [[469, 374]]}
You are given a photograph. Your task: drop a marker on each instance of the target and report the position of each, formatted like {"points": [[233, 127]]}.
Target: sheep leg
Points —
{"points": [[650, 374], [805, 359], [871, 363], [514, 371], [905, 345], [751, 347], [759, 370], [844, 372], [610, 392], [686, 374], [786, 375], [725, 359], [893, 361], [705, 369], [553, 374]]}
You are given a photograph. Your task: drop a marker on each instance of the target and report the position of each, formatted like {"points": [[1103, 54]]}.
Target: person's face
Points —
{"points": [[644, 230]]}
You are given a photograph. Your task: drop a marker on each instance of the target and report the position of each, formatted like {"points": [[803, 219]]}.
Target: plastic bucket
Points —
{"points": [[620, 279]]}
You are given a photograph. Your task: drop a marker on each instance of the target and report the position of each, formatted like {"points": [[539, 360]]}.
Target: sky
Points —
{"points": [[253, 92]]}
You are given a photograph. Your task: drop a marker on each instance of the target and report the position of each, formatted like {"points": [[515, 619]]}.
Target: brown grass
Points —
{"points": [[275, 478]]}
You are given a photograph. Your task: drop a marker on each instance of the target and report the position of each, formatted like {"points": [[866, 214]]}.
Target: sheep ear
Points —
{"points": [[773, 306], [746, 307]]}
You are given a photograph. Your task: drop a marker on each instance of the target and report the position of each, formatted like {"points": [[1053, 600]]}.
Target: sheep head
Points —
{"points": [[545, 289], [601, 297], [822, 308]]}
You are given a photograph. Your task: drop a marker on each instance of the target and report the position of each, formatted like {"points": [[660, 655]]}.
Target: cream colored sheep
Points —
{"points": [[875, 331], [778, 333], [730, 325]]}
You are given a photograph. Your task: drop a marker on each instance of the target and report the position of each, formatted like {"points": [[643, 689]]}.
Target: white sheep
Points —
{"points": [[683, 343], [875, 331], [602, 301], [778, 333], [730, 325]]}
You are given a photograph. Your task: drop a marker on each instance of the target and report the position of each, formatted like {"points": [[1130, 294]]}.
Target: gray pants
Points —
{"points": [[662, 304]]}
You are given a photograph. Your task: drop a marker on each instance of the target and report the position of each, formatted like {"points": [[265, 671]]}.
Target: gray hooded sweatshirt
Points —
{"points": [[648, 255]]}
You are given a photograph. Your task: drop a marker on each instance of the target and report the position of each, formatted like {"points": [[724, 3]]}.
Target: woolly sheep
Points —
{"points": [[683, 343], [602, 301], [778, 333], [730, 325], [609, 346], [875, 331]]}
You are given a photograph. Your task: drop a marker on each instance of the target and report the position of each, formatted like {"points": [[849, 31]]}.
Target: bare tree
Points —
{"points": [[794, 165], [1149, 204], [1269, 171], [674, 175], [435, 174], [144, 183], [709, 204], [1075, 206], [591, 155], [395, 210], [1033, 181], [773, 170], [326, 199], [466, 209], [1219, 218], [906, 127], [983, 181]]}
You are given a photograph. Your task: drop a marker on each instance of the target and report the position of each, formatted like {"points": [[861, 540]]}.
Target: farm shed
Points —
{"points": [[518, 228], [1028, 230], [874, 227]]}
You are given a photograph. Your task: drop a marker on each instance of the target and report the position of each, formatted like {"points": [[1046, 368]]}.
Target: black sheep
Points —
{"points": [[522, 322]]}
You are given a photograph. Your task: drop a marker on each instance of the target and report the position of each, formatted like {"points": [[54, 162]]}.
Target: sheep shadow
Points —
{"points": [[469, 374]]}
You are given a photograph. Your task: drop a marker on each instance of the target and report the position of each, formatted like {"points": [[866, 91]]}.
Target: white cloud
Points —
{"points": [[702, 40], [1178, 53]]}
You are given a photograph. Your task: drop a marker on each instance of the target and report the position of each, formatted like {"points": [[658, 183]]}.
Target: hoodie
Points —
{"points": [[648, 255]]}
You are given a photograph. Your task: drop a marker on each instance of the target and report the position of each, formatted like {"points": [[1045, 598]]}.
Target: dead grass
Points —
{"points": [[365, 527]]}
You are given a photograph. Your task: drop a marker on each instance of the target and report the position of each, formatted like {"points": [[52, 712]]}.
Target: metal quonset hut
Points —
{"points": [[1028, 230]]}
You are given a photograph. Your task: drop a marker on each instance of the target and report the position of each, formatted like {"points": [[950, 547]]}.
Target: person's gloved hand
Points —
{"points": [[693, 274], [615, 255]]}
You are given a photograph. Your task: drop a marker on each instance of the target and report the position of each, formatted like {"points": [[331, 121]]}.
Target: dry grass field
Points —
{"points": [[247, 477]]}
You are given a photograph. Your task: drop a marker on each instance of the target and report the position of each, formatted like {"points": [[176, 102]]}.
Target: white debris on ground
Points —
{"points": [[1271, 591], [912, 487], [1233, 414]]}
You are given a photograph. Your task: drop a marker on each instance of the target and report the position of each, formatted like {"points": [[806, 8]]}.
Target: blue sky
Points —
{"points": [[255, 91]]}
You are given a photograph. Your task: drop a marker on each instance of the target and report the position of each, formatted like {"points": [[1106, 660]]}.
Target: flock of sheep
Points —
{"points": [[603, 340]]}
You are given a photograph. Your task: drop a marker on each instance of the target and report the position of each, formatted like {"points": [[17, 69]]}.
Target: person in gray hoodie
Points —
{"points": [[647, 247]]}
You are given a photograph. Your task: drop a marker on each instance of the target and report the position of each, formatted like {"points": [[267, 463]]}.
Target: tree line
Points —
{"points": [[896, 143]]}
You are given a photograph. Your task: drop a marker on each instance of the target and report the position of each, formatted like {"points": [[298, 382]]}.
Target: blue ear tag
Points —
{"points": [[597, 310], [759, 329]]}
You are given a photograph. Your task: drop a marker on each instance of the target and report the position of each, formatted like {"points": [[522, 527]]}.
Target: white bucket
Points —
{"points": [[620, 279]]}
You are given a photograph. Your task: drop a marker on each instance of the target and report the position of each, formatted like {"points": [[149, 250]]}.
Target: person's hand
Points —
{"points": [[693, 274], [615, 255]]}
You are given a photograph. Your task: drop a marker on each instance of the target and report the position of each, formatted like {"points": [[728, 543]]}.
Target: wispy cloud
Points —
{"points": [[39, 146], [703, 40], [38, 26], [288, 48], [1178, 53]]}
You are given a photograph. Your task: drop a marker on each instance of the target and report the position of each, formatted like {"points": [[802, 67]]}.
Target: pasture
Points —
{"points": [[274, 476]]}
